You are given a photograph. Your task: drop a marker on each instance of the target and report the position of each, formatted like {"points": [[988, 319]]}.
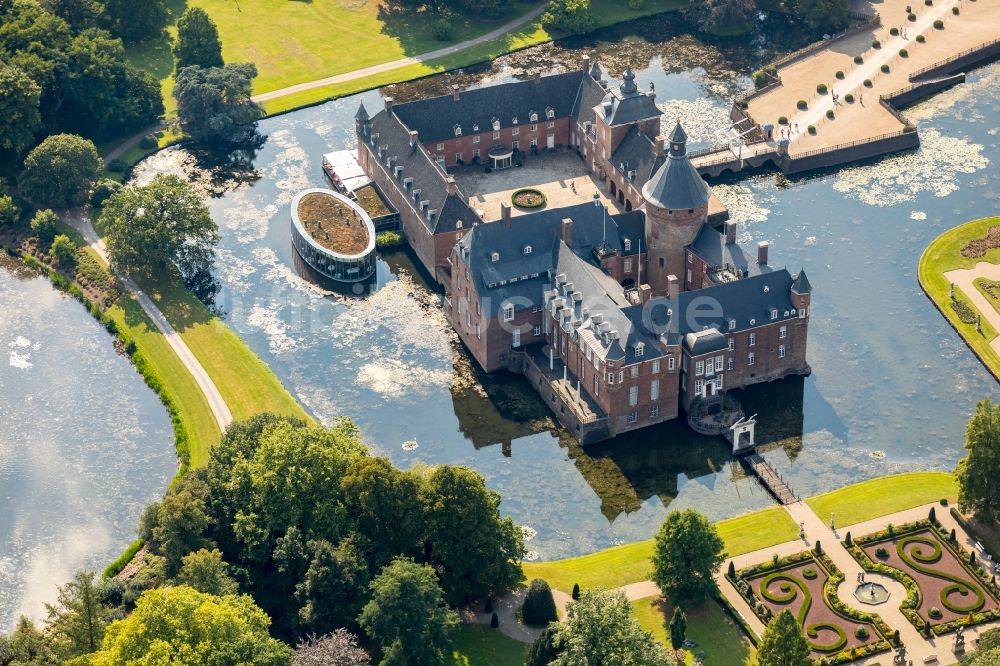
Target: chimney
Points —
{"points": [[567, 231], [659, 141], [413, 138], [730, 232], [505, 213], [673, 287], [586, 63], [645, 293], [762, 252], [452, 185], [455, 94], [388, 103]]}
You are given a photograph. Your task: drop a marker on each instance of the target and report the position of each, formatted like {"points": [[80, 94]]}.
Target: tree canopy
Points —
{"points": [[783, 643], [134, 21], [197, 40], [183, 626], [407, 615], [205, 571], [214, 105], [978, 473], [721, 17], [600, 629], [151, 227], [821, 14], [687, 553], [20, 117], [337, 649], [570, 16], [77, 620], [60, 171]]}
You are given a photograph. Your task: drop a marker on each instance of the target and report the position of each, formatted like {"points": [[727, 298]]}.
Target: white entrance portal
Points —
{"points": [[550, 141]]}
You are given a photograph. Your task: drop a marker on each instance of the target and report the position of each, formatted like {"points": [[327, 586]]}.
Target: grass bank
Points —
{"points": [[621, 565], [943, 255], [474, 645], [884, 495], [721, 639]]}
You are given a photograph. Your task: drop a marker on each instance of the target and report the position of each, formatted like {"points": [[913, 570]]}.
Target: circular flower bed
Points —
{"points": [[809, 573], [528, 197]]}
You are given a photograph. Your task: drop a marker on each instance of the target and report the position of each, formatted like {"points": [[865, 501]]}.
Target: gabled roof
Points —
{"points": [[590, 95], [801, 284], [710, 245], [677, 184], [435, 118], [626, 104], [747, 302], [385, 130], [638, 152]]}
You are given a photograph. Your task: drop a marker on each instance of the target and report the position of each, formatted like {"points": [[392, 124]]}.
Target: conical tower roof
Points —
{"points": [[628, 82], [362, 113], [676, 185], [801, 284]]}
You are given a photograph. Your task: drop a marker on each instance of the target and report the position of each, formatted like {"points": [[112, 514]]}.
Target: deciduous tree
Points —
{"points": [[134, 21], [214, 105], [600, 629], [63, 250], [978, 473], [407, 615], [726, 17], [337, 649], [334, 587], [570, 16], [26, 646], [678, 628], [783, 643], [197, 40], [60, 171], [205, 571], [181, 522], [10, 212], [45, 224], [821, 14], [179, 625], [19, 109], [687, 554]]}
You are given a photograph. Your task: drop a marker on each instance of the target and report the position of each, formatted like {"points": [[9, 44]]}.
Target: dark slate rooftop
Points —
{"points": [[705, 342], [710, 244], [677, 185], [626, 104], [747, 302], [637, 152], [801, 284], [590, 95], [385, 130], [435, 118]]}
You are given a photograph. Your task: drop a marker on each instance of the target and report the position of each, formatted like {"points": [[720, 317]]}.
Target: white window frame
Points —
{"points": [[750, 359], [627, 265], [495, 257], [656, 366], [753, 339], [654, 389], [476, 139], [496, 135], [633, 395], [783, 332], [536, 331], [633, 371], [654, 411], [632, 417], [440, 146], [611, 378], [732, 344], [508, 313], [718, 363], [670, 363], [729, 363], [515, 131], [699, 368], [516, 340], [781, 351], [774, 314], [699, 388]]}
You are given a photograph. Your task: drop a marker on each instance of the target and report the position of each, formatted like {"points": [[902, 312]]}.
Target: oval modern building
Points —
{"points": [[333, 235]]}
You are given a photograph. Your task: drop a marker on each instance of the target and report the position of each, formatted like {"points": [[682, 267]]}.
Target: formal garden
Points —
{"points": [[806, 584], [946, 588]]}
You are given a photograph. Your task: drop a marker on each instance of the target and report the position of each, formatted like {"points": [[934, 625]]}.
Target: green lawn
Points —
{"points": [[621, 565], [720, 638], [980, 284], [481, 646], [943, 255], [885, 495]]}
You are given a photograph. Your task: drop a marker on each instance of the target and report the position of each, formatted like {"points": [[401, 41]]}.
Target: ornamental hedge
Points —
{"points": [[528, 197]]}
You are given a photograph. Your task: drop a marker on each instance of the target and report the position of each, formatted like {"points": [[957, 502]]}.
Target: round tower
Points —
{"points": [[676, 206]]}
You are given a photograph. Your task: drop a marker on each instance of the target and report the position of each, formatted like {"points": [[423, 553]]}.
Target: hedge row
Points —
{"points": [[115, 567]]}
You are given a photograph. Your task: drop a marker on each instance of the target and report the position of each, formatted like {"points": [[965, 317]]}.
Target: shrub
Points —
{"points": [[921, 39], [117, 166], [939, 24], [952, 537], [868, 83], [63, 250], [932, 516], [839, 74], [829, 114], [895, 637], [809, 573], [849, 98], [934, 613], [903, 53], [783, 120], [576, 586], [858, 60], [442, 30], [148, 142], [818, 549], [972, 555], [744, 104], [44, 224], [909, 128], [801, 105], [911, 17], [102, 190], [943, 501], [928, 2], [494, 621], [760, 78], [876, 44], [821, 89], [10, 212], [389, 239], [861, 634], [635, 4], [882, 553], [885, 69], [954, 10], [848, 541], [894, 32], [539, 607], [812, 130]]}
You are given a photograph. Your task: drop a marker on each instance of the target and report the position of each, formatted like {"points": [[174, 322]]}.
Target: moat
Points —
{"points": [[892, 383]]}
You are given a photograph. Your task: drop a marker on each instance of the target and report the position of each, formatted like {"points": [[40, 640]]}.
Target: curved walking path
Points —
{"points": [[402, 62], [79, 220], [964, 279]]}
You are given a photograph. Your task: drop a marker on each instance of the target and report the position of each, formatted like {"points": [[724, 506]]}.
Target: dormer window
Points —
{"points": [[550, 112], [458, 130], [732, 324], [533, 117], [527, 249], [475, 128], [774, 314], [639, 348], [495, 257], [496, 125], [514, 121], [628, 244], [458, 224], [508, 312]]}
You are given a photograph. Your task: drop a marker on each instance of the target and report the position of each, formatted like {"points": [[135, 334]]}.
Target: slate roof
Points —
{"points": [[427, 174], [677, 185], [638, 152], [801, 284], [744, 301], [626, 104], [435, 118], [710, 244], [705, 342], [590, 95]]}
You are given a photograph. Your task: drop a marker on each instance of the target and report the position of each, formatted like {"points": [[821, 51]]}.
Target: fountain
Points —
{"points": [[871, 594]]}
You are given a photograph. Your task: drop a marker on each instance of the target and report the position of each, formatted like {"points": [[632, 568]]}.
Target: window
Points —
{"points": [[479, 309], [718, 364], [781, 351], [628, 244], [633, 371], [479, 334], [514, 145], [515, 131], [774, 314], [639, 348], [611, 378], [802, 313], [513, 121], [458, 131], [440, 146], [475, 139], [654, 389], [750, 359], [496, 126], [534, 141], [732, 344], [458, 157], [596, 386], [517, 338], [495, 257], [590, 354], [627, 266], [732, 324], [656, 366], [468, 318], [475, 128], [475, 152], [670, 363], [690, 258], [753, 339], [699, 368], [533, 117], [534, 128], [632, 417], [508, 313], [633, 396], [536, 308], [496, 135], [654, 411], [699, 387], [729, 363], [527, 249], [537, 331], [550, 113], [783, 332], [597, 362]]}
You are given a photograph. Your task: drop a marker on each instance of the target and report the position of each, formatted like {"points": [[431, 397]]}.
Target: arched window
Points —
{"points": [[458, 131], [527, 249], [628, 244], [496, 125], [495, 257]]}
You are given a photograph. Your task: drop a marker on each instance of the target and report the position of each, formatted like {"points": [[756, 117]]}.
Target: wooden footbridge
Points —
{"points": [[770, 479]]}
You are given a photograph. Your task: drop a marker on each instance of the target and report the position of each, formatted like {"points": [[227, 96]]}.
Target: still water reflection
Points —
{"points": [[889, 375], [84, 444]]}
